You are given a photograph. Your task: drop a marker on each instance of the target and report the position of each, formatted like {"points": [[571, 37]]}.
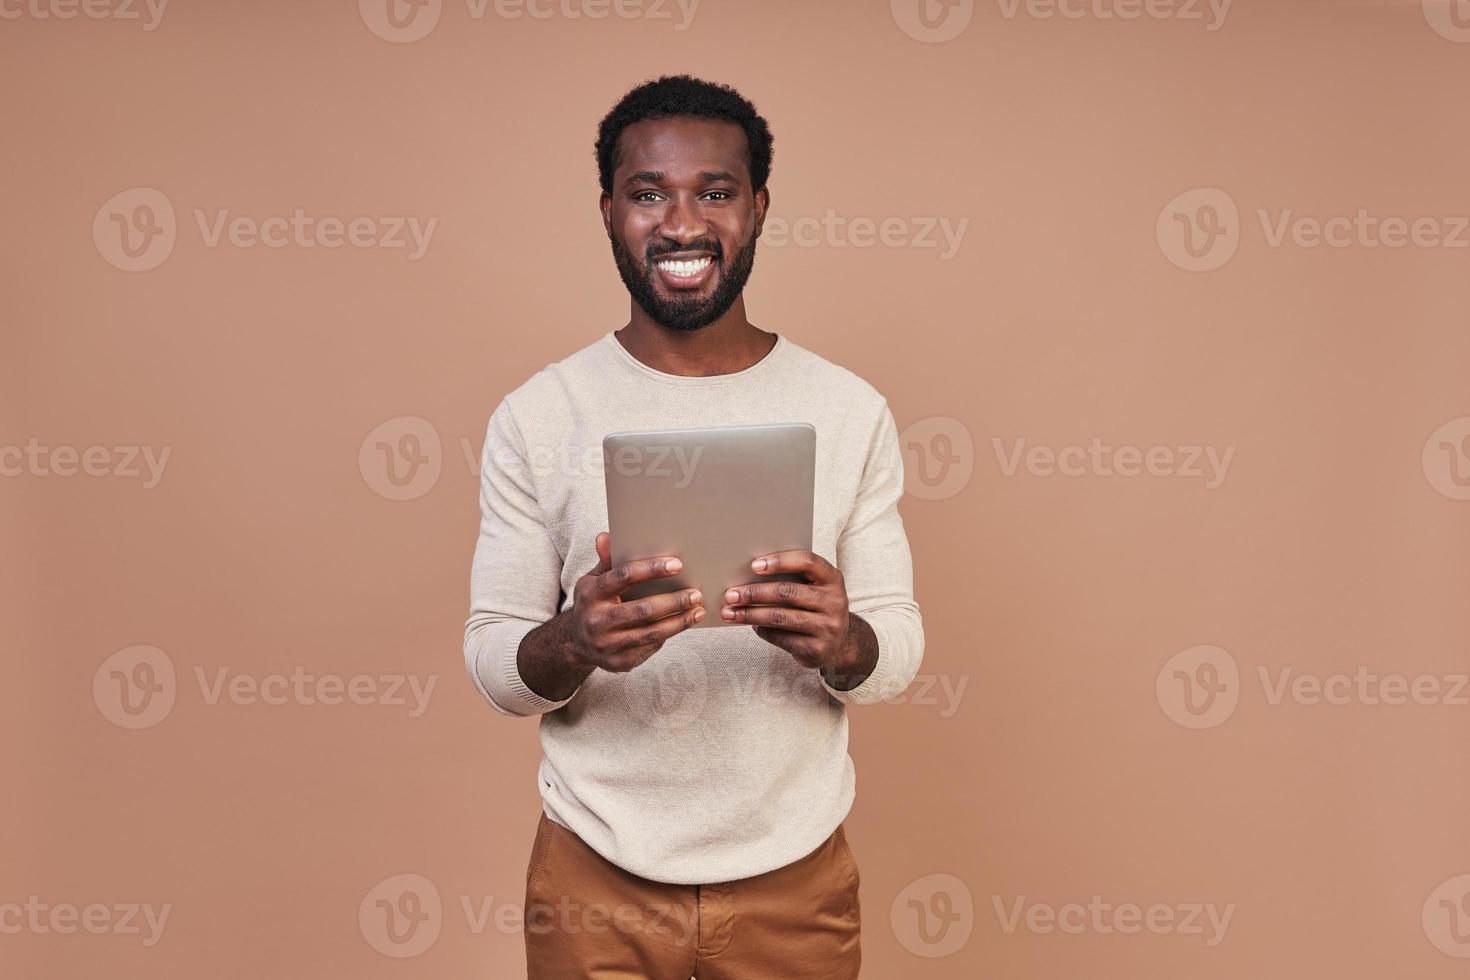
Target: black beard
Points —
{"points": [[684, 314]]}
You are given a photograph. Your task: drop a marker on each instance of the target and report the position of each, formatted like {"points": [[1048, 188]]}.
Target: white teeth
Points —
{"points": [[685, 269]]}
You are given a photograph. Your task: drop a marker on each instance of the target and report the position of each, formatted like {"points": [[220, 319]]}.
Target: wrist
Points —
{"points": [[856, 659], [849, 653], [569, 658]]}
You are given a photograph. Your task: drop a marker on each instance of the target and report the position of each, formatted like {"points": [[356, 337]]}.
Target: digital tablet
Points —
{"points": [[714, 497]]}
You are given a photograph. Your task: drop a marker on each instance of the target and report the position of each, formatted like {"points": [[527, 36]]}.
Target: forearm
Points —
{"points": [[859, 659], [546, 660]]}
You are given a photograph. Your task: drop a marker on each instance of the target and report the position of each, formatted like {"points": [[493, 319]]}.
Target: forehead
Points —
{"points": [[683, 146]]}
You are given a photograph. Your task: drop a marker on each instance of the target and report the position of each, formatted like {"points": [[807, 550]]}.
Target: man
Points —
{"points": [[694, 782]]}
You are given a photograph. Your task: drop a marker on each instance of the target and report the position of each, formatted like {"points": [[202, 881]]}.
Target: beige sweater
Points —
{"points": [[720, 757]]}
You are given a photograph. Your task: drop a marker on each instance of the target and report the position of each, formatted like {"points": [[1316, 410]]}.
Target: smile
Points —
{"points": [[684, 269]]}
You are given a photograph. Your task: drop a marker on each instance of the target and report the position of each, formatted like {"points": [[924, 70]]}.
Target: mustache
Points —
{"points": [[701, 245]]}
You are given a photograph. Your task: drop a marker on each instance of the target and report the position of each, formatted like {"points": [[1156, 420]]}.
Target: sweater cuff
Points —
{"points": [[881, 682], [498, 673]]}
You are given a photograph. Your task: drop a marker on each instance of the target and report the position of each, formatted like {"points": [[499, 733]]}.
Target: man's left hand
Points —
{"points": [[809, 620]]}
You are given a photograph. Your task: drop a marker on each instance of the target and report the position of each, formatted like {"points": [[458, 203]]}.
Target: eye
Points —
{"points": [[718, 195], [646, 197]]}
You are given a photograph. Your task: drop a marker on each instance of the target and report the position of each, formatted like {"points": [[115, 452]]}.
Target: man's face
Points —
{"points": [[683, 219]]}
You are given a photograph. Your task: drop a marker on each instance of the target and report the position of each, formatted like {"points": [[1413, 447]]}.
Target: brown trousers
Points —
{"points": [[585, 917]]}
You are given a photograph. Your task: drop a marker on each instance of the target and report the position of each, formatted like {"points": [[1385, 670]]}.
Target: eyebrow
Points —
{"points": [[657, 176]]}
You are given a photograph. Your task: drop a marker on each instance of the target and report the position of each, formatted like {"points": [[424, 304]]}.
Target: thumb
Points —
{"points": [[604, 554]]}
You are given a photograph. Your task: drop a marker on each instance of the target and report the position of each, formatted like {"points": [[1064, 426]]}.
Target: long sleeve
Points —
{"points": [[515, 579], [877, 567]]}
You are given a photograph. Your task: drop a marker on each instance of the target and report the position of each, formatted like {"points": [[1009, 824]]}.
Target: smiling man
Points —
{"points": [[694, 783]]}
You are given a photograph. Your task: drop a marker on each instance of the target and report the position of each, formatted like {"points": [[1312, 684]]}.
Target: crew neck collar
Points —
{"points": [[777, 353]]}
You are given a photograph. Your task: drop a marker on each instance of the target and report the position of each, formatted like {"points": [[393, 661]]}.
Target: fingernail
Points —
{"points": [[759, 564], [727, 613], [696, 597], [698, 613], [732, 596], [673, 565]]}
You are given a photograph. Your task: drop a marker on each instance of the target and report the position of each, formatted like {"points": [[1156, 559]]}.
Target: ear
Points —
{"points": [[762, 205], [604, 204]]}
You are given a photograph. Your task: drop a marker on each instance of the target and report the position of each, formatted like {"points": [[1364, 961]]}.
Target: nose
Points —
{"points": [[682, 220]]}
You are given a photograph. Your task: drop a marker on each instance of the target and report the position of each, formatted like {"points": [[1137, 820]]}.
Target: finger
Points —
{"points": [[799, 646], [638, 645], [778, 617], [620, 578], [793, 594], [636, 613], [817, 569], [603, 544]]}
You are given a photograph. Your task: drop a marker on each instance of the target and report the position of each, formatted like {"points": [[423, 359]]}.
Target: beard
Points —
{"points": [[684, 313]]}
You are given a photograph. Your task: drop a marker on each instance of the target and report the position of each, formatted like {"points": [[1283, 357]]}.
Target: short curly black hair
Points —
{"points": [[685, 95]]}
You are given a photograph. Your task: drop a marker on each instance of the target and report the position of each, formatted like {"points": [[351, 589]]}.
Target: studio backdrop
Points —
{"points": [[1168, 299]]}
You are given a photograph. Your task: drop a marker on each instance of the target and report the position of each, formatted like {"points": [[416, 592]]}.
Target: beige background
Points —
{"points": [[1334, 543]]}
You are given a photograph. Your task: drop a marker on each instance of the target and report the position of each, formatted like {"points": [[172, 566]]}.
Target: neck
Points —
{"points": [[730, 344]]}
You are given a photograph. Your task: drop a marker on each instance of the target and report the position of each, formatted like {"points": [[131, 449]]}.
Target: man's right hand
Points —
{"points": [[615, 635], [601, 630]]}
